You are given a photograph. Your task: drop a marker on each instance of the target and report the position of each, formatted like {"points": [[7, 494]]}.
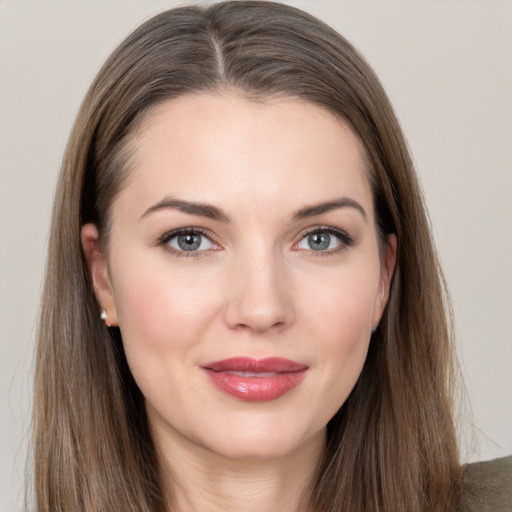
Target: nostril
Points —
{"points": [[257, 321]]}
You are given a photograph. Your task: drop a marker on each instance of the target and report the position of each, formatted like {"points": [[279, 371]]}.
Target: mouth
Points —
{"points": [[255, 380]]}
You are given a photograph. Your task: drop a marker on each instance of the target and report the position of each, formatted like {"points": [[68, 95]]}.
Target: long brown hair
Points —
{"points": [[391, 446]]}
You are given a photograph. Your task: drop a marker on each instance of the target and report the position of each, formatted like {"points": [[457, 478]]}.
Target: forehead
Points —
{"points": [[223, 148]]}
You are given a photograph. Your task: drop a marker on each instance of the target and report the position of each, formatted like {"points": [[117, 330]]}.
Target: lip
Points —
{"points": [[255, 380]]}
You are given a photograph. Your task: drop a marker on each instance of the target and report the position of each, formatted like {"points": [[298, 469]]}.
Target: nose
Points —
{"points": [[260, 297]]}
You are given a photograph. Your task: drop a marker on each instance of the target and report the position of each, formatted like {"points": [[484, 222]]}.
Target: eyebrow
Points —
{"points": [[201, 209], [213, 212], [318, 209]]}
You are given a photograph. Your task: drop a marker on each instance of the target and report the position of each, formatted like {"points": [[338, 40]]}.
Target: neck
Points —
{"points": [[199, 480]]}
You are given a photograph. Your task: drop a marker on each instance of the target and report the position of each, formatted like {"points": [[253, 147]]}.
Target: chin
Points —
{"points": [[263, 443]]}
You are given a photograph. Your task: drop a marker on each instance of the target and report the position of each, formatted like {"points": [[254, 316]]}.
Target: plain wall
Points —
{"points": [[447, 66]]}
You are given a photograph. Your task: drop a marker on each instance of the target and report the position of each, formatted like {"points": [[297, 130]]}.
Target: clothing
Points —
{"points": [[488, 486]]}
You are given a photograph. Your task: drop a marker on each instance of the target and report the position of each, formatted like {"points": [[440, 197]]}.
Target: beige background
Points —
{"points": [[447, 66]]}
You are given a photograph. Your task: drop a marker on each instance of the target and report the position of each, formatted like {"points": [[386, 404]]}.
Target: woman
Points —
{"points": [[243, 307]]}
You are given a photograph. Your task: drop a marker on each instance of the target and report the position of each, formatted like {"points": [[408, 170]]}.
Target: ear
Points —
{"points": [[98, 272], [386, 274]]}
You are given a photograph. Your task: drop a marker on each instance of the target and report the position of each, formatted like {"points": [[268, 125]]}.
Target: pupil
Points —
{"points": [[319, 241], [189, 242]]}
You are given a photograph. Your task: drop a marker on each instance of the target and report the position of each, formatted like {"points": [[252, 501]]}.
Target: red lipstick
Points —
{"points": [[255, 380]]}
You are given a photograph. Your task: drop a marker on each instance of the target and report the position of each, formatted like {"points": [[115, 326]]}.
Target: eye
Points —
{"points": [[187, 241], [325, 240]]}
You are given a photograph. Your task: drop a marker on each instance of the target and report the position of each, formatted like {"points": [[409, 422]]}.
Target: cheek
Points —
{"points": [[162, 314], [342, 303], [340, 322]]}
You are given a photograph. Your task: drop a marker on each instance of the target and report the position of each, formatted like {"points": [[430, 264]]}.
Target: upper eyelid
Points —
{"points": [[329, 229], [181, 231]]}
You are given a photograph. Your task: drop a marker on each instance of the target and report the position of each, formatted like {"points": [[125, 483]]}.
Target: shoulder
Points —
{"points": [[488, 486]]}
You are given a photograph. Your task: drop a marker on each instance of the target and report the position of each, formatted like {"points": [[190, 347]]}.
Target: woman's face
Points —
{"points": [[243, 271]]}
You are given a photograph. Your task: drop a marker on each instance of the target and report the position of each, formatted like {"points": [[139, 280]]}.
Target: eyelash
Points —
{"points": [[346, 241]]}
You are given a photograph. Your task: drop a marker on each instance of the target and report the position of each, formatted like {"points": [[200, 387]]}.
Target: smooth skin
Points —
{"points": [[260, 275]]}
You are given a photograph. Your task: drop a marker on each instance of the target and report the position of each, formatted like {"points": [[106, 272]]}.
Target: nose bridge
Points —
{"points": [[259, 298]]}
